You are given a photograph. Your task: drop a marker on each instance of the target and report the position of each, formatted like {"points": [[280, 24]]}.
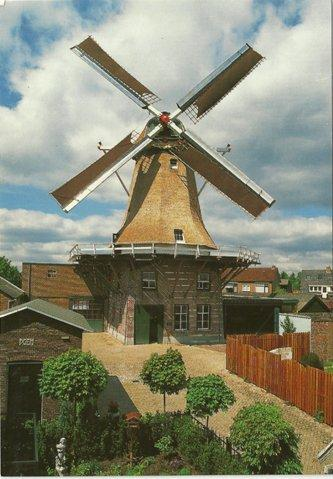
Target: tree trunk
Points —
{"points": [[164, 402], [207, 419]]}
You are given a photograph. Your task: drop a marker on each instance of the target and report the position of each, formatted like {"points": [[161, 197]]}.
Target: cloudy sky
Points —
{"points": [[54, 109]]}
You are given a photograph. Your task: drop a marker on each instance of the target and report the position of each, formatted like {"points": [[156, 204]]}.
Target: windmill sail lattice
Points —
{"points": [[163, 195]]}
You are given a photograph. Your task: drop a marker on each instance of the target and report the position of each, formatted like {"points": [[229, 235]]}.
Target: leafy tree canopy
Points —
{"points": [[287, 325], [268, 443], [9, 271], [207, 395], [73, 376], [165, 373]]}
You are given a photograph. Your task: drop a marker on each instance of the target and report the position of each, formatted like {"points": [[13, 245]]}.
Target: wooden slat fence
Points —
{"points": [[299, 342], [307, 388]]}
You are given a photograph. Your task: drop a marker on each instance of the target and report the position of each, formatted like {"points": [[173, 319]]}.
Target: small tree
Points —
{"points": [[268, 443], [207, 395], [9, 271], [165, 373], [287, 325], [74, 378]]}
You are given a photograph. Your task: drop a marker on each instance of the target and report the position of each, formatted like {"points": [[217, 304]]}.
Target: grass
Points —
{"points": [[328, 366]]}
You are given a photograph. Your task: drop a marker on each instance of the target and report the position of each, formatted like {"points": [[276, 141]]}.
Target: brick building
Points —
{"points": [[30, 333], [317, 281], [60, 284], [261, 281], [321, 313], [10, 294]]}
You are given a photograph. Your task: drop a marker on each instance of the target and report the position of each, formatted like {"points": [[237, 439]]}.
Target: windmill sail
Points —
{"points": [[222, 174], [210, 91], [98, 59], [77, 188]]}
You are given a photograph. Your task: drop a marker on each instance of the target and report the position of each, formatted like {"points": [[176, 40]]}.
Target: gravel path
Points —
{"points": [[124, 364]]}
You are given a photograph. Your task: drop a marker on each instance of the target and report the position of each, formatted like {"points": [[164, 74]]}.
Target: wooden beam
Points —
{"points": [[180, 264], [196, 278]]}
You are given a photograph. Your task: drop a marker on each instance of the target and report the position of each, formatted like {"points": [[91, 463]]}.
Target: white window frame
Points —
{"points": [[246, 288], [203, 316], [232, 285], [148, 282], [179, 235], [261, 288], [180, 314], [52, 273], [80, 304], [203, 281]]}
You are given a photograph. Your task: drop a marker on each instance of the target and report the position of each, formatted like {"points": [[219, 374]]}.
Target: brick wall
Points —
{"points": [[57, 289], [3, 301], [47, 334], [239, 289], [176, 284], [322, 334]]}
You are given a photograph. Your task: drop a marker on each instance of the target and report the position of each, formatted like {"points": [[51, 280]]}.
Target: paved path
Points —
{"points": [[125, 362]]}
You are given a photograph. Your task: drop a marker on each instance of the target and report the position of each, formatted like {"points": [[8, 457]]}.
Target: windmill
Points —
{"points": [[163, 208]]}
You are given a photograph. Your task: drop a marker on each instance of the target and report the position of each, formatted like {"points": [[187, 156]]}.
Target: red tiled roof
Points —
{"points": [[258, 274]]}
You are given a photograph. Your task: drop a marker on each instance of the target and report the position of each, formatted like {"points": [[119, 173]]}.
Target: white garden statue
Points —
{"points": [[60, 459]]}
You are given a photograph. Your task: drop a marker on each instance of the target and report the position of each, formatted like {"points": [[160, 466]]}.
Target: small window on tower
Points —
{"points": [[51, 273], [148, 280], [179, 236], [173, 164]]}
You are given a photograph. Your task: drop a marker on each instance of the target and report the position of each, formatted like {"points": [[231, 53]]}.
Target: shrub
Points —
{"points": [[140, 468], [165, 445], [207, 395], [313, 360], [319, 416], [213, 459], [74, 378], [165, 373], [87, 468], [189, 439], [97, 437], [268, 442]]}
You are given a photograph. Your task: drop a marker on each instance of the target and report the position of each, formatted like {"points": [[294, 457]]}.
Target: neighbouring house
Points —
{"points": [[317, 281], [262, 281], [321, 313], [10, 294], [59, 283], [30, 333]]}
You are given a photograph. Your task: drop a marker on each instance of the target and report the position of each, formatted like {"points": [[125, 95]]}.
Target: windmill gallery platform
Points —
{"points": [[169, 293], [161, 278]]}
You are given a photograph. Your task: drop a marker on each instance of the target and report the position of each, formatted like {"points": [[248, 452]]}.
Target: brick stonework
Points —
{"points": [[176, 284], [66, 283], [47, 334], [322, 334], [4, 301]]}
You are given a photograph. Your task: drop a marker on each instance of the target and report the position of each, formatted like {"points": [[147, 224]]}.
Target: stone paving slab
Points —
{"points": [[125, 362]]}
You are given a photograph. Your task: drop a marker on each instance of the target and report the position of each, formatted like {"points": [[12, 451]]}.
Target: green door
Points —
{"points": [[148, 324], [141, 325]]}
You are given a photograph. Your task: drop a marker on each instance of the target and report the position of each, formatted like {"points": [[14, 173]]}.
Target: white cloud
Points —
{"points": [[277, 120], [278, 117], [289, 244]]}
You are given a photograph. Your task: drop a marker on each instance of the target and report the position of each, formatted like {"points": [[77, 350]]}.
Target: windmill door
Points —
{"points": [[148, 324]]}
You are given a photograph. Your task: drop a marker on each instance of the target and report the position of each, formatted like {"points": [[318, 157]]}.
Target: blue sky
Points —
{"points": [[54, 110]]}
